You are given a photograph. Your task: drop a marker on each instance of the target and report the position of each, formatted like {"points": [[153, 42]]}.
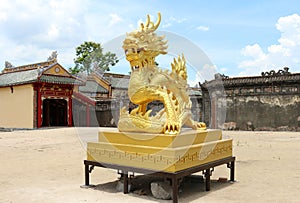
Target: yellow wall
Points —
{"points": [[16, 109]]}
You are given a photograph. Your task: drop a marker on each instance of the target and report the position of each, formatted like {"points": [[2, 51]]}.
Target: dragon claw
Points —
{"points": [[171, 128], [201, 125]]}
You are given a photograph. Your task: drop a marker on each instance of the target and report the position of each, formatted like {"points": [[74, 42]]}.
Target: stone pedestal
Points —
{"points": [[160, 152]]}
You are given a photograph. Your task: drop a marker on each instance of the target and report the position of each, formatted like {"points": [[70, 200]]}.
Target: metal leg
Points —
{"points": [[207, 174], [232, 168], [87, 171], [175, 189], [207, 170], [87, 174], [207, 179], [125, 176]]}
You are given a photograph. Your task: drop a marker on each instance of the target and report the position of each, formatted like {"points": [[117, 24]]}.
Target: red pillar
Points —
{"points": [[39, 107], [70, 113]]}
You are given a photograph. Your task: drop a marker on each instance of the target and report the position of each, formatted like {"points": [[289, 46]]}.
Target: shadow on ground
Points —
{"points": [[191, 188]]}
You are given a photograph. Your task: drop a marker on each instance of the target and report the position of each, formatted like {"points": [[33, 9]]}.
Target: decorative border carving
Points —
{"points": [[190, 157]]}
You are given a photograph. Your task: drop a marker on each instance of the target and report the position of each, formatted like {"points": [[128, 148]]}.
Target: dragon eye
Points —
{"points": [[126, 51], [139, 50]]}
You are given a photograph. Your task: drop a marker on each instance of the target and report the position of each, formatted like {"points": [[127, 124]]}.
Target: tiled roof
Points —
{"points": [[25, 75], [20, 77], [92, 86], [255, 80], [39, 65], [60, 80], [118, 82]]}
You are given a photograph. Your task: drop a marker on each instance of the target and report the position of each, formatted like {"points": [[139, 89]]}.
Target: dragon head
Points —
{"points": [[143, 45]]}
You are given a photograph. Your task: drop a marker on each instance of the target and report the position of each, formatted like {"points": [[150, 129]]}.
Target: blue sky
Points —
{"points": [[239, 37]]}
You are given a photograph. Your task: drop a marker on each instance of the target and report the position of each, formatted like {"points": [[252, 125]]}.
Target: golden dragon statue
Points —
{"points": [[150, 83]]}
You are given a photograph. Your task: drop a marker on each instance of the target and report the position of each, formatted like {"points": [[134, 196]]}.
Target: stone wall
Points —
{"points": [[264, 111], [267, 102]]}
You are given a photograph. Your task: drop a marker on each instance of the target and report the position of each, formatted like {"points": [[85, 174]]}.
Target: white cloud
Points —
{"points": [[284, 53], [207, 72], [202, 28], [170, 22], [114, 19], [181, 20], [30, 32], [20, 54], [165, 25], [53, 31], [223, 70], [193, 82], [3, 16], [254, 51]]}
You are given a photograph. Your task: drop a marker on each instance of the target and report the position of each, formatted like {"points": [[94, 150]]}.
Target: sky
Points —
{"points": [[240, 38]]}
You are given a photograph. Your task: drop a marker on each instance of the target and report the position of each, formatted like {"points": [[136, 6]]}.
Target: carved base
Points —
{"points": [[158, 151]]}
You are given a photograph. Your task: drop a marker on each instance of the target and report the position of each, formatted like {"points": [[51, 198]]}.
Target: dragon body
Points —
{"points": [[150, 83]]}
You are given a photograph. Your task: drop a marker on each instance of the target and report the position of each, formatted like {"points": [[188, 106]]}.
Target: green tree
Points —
{"points": [[90, 57]]}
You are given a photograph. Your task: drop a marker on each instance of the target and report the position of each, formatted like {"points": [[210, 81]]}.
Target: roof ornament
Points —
{"points": [[53, 57], [8, 65], [219, 75], [285, 71]]}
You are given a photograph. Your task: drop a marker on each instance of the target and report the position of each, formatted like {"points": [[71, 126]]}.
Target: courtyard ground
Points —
{"points": [[47, 166]]}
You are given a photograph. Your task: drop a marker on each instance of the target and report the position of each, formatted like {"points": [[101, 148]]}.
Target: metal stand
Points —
{"points": [[207, 169]]}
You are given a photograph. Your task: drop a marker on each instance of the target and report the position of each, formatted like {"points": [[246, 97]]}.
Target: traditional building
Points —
{"points": [[36, 95], [267, 102], [119, 98], [98, 102]]}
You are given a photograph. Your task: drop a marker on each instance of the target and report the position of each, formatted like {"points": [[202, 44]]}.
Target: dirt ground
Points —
{"points": [[47, 166]]}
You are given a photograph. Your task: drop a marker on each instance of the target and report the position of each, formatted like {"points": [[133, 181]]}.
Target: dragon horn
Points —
{"points": [[150, 25], [148, 21], [158, 21], [146, 25]]}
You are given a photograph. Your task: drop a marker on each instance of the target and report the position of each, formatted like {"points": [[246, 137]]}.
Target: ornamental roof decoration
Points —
{"points": [[8, 65], [285, 71], [50, 60], [49, 71], [41, 65], [53, 57], [265, 78]]}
